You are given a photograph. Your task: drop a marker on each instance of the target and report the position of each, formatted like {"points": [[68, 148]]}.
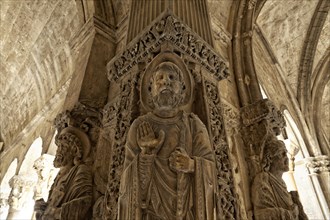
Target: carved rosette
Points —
{"points": [[123, 122], [167, 29], [318, 164], [226, 198]]}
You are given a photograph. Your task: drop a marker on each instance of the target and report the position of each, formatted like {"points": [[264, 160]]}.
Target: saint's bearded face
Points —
{"points": [[281, 160], [63, 156], [166, 89]]}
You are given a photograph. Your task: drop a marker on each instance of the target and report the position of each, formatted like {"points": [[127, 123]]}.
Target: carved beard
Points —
{"points": [[59, 161], [167, 99], [62, 160]]}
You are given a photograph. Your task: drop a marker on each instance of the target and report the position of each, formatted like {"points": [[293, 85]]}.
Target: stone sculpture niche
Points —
{"points": [[193, 115], [70, 196], [169, 168]]}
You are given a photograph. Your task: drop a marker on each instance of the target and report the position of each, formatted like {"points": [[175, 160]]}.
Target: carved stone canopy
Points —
{"points": [[168, 30]]}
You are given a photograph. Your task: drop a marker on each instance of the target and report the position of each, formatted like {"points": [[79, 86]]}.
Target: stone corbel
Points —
{"points": [[318, 164]]}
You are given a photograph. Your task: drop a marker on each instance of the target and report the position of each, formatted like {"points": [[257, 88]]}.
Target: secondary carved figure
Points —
{"points": [[270, 197], [70, 196]]}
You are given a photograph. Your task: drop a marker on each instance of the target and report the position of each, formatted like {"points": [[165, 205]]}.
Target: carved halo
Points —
{"points": [[145, 93], [82, 137]]}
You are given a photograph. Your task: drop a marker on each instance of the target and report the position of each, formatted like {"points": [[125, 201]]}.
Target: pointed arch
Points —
{"points": [[308, 54], [321, 79], [311, 195], [32, 154]]}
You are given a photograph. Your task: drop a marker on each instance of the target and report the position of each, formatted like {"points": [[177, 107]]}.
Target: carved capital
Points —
{"points": [[46, 173], [262, 122], [62, 120], [83, 117], [20, 186], [318, 164], [263, 110], [22, 181]]}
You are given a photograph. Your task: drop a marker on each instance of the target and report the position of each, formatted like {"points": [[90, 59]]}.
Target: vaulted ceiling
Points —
{"points": [[36, 55], [35, 59], [297, 34]]}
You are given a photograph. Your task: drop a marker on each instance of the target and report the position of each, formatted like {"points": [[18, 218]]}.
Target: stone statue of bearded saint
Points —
{"points": [[270, 197], [70, 196], [169, 168]]}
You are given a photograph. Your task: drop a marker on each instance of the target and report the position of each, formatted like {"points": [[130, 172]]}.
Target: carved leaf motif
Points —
{"points": [[118, 151], [226, 199], [171, 30]]}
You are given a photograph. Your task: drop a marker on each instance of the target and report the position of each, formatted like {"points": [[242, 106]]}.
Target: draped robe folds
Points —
{"points": [[149, 189], [271, 199], [72, 193]]}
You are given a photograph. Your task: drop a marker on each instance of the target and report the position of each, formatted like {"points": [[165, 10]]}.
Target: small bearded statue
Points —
{"points": [[70, 196], [270, 197], [169, 168]]}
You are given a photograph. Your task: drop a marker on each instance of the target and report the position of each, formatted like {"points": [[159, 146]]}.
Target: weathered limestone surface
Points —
{"points": [[45, 44], [34, 53], [291, 19]]}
